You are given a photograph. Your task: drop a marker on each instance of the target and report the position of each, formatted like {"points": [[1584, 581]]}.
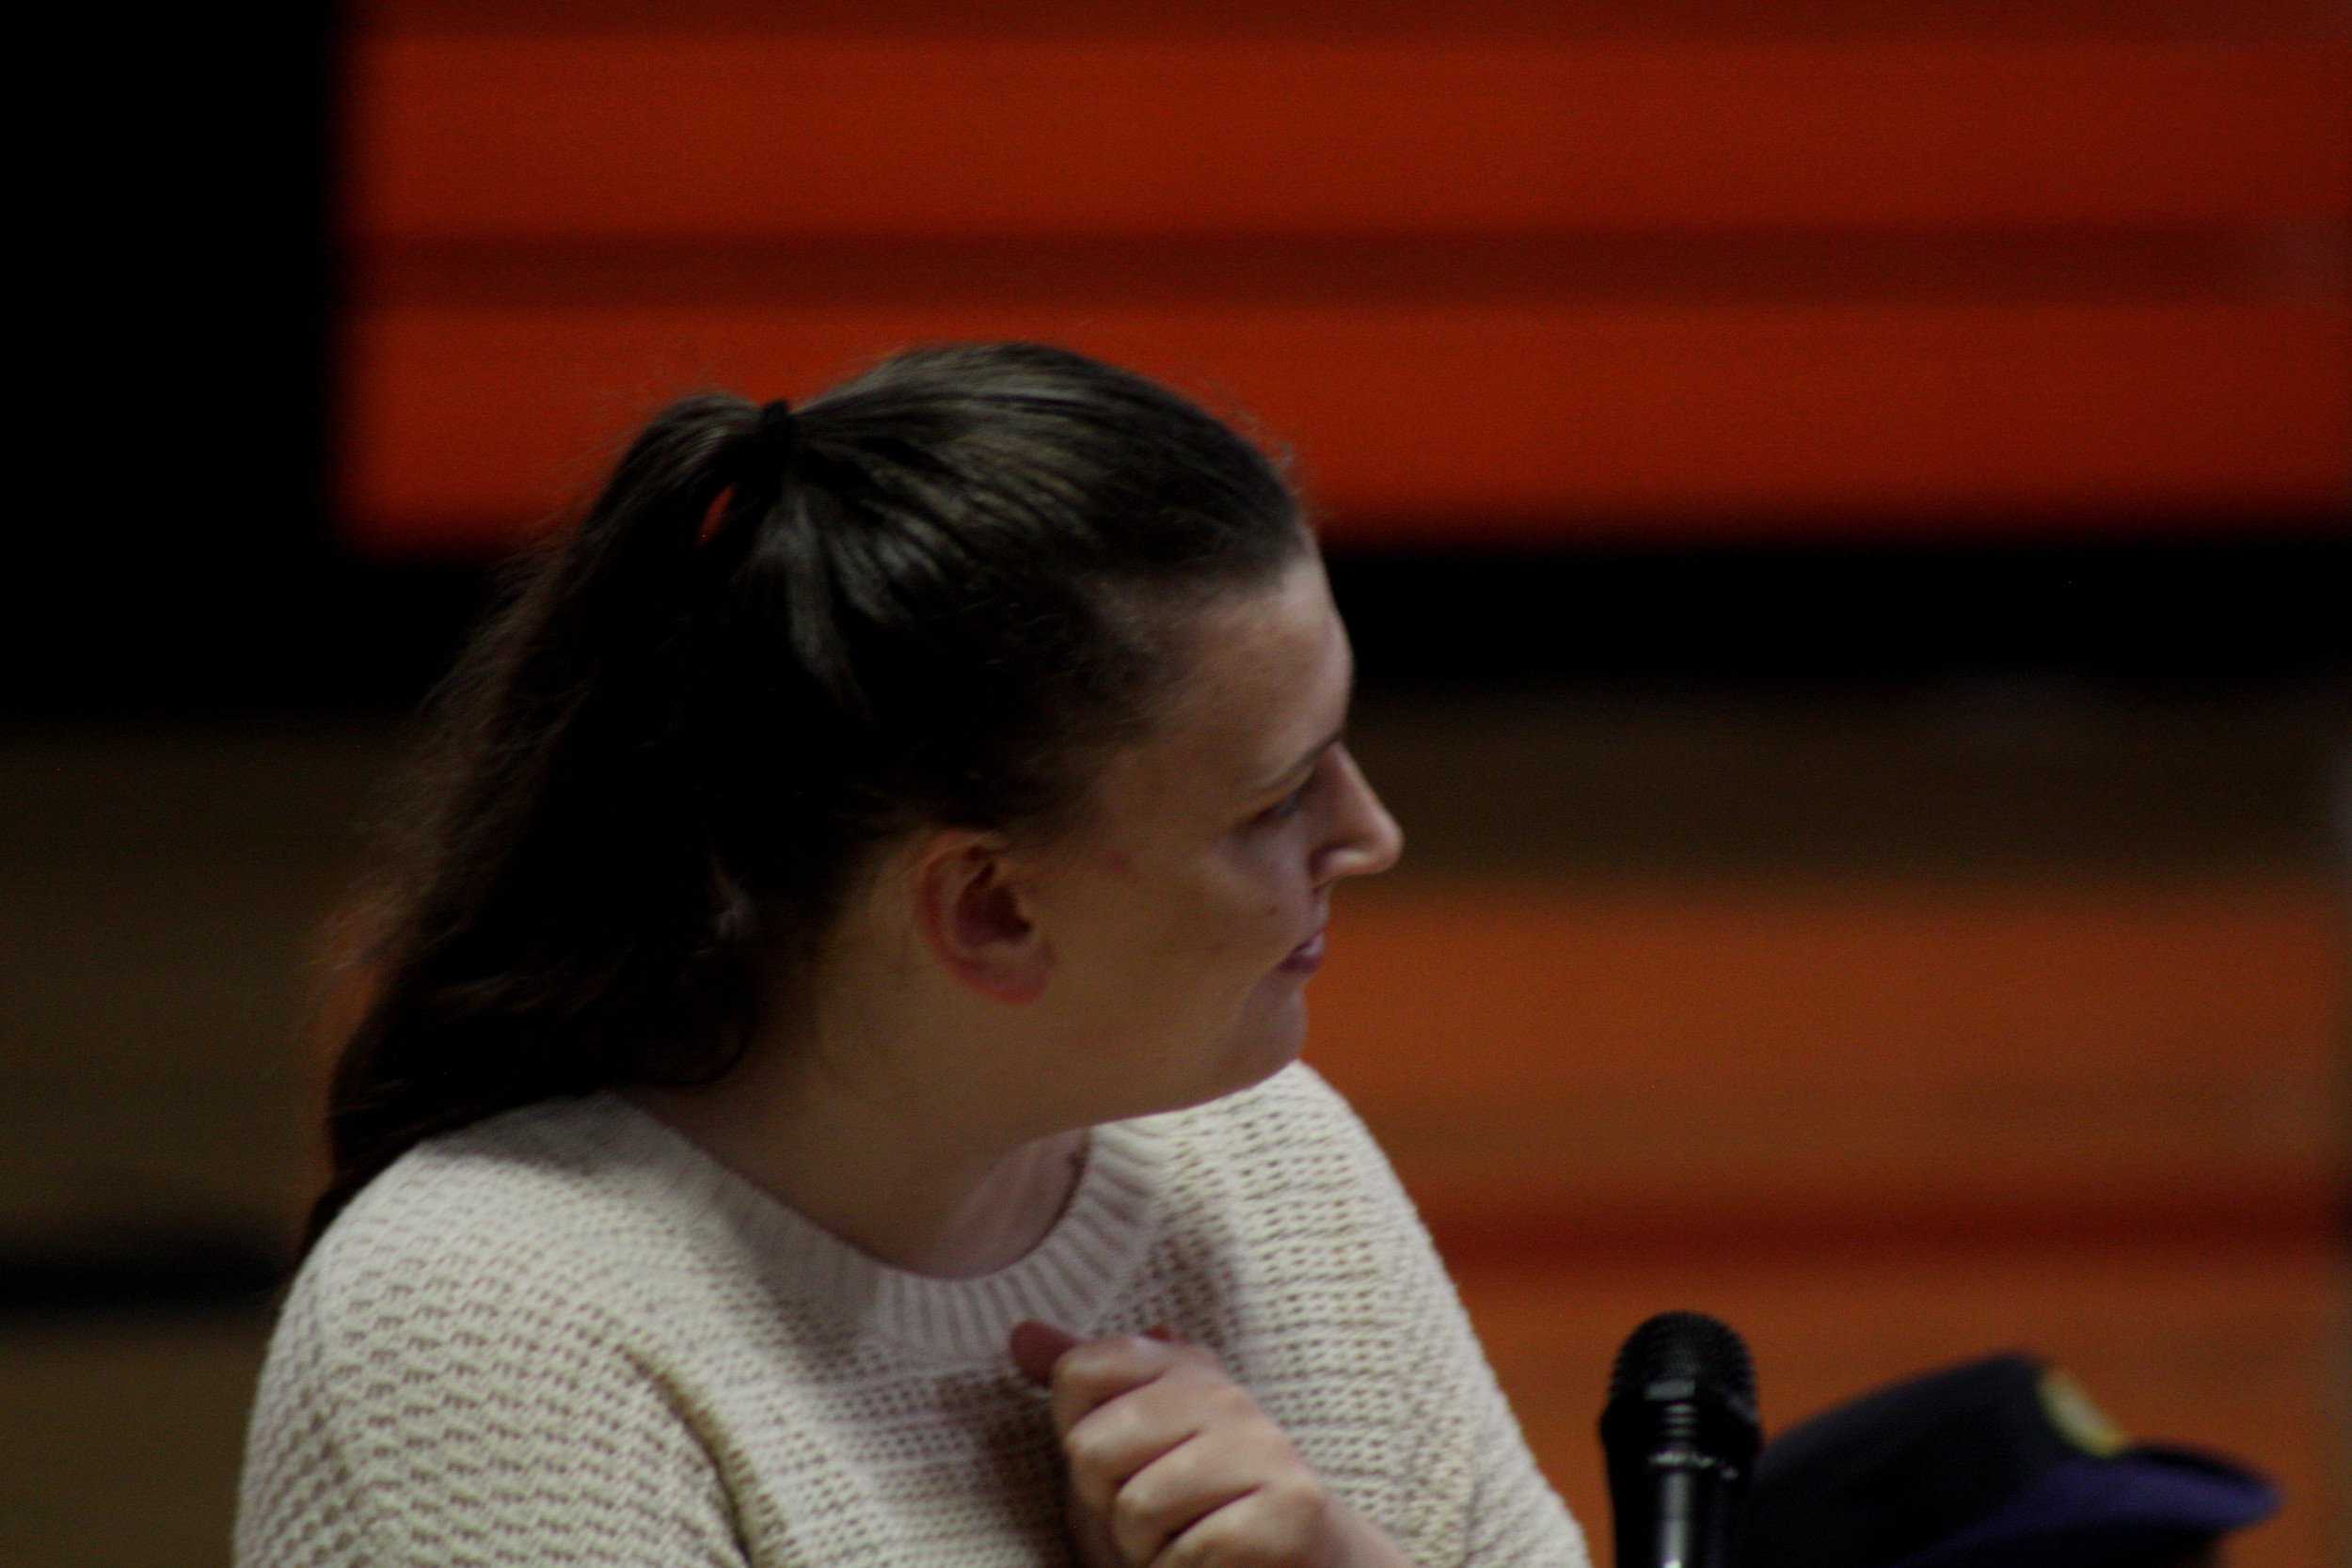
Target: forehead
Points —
{"points": [[1265, 677]]}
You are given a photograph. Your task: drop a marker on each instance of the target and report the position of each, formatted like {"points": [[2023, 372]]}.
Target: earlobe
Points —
{"points": [[972, 917]]}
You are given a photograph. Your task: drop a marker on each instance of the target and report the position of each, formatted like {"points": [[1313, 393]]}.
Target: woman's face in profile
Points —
{"points": [[1186, 917]]}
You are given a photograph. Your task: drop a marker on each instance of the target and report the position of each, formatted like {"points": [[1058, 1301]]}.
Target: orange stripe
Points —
{"points": [[1514, 19], [539, 135], [1525, 983], [2212, 1220], [1558, 1069], [1503, 420]]}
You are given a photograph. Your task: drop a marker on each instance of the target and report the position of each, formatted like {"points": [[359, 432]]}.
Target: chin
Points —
{"points": [[1268, 1041], [1266, 1038]]}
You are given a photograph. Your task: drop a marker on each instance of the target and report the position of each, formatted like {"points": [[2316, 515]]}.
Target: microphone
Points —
{"points": [[1680, 1434]]}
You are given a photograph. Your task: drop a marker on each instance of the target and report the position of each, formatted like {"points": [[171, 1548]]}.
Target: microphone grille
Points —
{"points": [[1688, 1345]]}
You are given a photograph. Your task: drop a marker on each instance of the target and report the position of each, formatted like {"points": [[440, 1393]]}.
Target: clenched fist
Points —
{"points": [[1172, 1465]]}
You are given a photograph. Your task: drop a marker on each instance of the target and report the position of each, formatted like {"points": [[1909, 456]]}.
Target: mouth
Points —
{"points": [[1306, 956]]}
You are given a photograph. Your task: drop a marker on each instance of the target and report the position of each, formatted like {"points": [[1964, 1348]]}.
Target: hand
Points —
{"points": [[1172, 1465]]}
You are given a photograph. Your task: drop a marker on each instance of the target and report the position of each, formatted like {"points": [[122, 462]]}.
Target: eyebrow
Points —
{"points": [[1303, 764]]}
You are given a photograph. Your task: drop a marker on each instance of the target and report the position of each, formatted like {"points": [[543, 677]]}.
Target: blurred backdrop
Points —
{"points": [[1842, 508]]}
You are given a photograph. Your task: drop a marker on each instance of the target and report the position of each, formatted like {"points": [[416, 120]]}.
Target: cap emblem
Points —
{"points": [[2079, 1421]]}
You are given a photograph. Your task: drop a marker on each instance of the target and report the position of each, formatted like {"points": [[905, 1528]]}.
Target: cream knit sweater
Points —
{"points": [[567, 1335]]}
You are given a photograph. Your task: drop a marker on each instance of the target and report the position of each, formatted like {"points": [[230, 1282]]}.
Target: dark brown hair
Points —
{"points": [[940, 593]]}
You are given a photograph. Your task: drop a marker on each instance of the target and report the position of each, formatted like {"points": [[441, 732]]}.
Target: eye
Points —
{"points": [[1288, 806]]}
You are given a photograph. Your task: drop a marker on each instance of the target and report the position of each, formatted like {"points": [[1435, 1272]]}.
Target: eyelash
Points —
{"points": [[1288, 806]]}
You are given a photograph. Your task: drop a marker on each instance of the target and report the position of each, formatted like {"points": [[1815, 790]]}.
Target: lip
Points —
{"points": [[1306, 956]]}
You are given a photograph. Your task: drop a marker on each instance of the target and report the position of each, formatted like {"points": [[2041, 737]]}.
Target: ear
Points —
{"points": [[972, 913]]}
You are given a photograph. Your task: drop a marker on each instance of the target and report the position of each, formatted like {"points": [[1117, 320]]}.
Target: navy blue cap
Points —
{"points": [[2000, 1462]]}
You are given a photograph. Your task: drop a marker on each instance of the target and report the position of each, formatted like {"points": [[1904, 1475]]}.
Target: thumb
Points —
{"points": [[1036, 1346]]}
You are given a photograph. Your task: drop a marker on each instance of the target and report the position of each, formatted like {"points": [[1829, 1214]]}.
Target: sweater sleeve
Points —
{"points": [[418, 1411], [1515, 1516], [1481, 1501]]}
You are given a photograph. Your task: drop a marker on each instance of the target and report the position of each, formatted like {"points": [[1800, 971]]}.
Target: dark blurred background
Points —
{"points": [[1842, 512]]}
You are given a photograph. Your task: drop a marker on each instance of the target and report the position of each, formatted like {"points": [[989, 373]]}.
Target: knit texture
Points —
{"points": [[567, 1336]]}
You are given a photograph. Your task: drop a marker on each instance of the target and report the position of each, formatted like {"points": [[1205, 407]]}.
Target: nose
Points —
{"points": [[1365, 839]]}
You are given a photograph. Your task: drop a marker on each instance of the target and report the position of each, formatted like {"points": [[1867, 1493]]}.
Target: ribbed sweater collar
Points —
{"points": [[1070, 1278]]}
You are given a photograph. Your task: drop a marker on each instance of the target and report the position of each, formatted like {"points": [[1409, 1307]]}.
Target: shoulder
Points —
{"points": [[519, 1186], [1292, 1132], [1296, 1093], [1286, 1172], [474, 1339], [528, 1273], [528, 1229]]}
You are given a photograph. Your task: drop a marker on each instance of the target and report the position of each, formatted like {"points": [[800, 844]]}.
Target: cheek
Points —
{"points": [[1212, 930], [1211, 921], [1263, 898]]}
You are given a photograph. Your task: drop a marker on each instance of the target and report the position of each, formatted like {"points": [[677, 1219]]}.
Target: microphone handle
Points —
{"points": [[1680, 1513], [1675, 1503]]}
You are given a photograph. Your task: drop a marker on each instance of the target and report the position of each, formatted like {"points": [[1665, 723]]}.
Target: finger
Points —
{"points": [[1290, 1519], [1180, 1487], [1090, 1534], [1111, 1444], [1090, 1375], [1115, 1441], [1036, 1346]]}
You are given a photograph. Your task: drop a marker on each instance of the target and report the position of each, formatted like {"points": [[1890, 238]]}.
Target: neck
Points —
{"points": [[904, 1171]]}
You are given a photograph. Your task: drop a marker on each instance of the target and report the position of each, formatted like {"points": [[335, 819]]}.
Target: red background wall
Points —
{"points": [[1547, 272]]}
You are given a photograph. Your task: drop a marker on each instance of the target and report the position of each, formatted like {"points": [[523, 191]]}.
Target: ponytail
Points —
{"points": [[569, 918]]}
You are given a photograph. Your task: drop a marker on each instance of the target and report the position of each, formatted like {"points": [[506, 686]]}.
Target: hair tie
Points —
{"points": [[778, 432], [751, 473]]}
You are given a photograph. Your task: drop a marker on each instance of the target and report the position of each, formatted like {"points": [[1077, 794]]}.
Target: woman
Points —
{"points": [[831, 1096]]}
